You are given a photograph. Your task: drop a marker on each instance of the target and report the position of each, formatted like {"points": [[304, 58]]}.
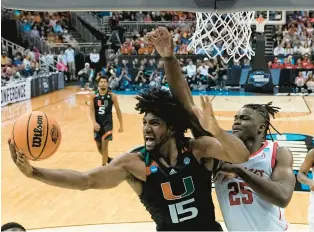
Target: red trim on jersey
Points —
{"points": [[259, 150], [273, 156], [280, 219], [286, 226]]}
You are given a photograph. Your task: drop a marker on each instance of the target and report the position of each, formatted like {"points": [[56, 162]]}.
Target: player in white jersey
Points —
{"points": [[251, 125], [252, 195], [304, 179]]}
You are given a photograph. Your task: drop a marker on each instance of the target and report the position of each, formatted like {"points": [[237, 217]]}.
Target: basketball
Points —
{"points": [[37, 134]]}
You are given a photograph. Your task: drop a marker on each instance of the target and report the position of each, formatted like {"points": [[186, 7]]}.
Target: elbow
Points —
{"points": [[86, 184], [284, 198], [283, 202]]}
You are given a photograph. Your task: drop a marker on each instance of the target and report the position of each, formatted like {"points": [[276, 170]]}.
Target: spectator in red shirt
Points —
{"points": [[288, 64], [306, 63], [276, 64]]}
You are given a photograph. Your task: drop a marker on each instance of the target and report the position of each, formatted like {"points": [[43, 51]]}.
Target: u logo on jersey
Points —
{"points": [[167, 190]]}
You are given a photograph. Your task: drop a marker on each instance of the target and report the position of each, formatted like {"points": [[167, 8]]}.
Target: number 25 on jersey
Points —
{"points": [[246, 195]]}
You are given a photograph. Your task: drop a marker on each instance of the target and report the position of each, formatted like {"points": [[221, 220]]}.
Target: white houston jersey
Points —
{"points": [[241, 207], [311, 206]]}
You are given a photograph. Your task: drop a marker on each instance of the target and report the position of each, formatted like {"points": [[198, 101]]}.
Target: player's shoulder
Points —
{"points": [[282, 150], [283, 155], [128, 158]]}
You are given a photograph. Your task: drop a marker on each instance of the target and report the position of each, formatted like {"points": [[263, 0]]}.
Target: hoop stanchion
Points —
{"points": [[220, 34]]}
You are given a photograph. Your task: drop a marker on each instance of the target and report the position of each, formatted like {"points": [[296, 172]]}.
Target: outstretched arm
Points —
{"points": [[104, 177], [177, 83], [305, 168]]}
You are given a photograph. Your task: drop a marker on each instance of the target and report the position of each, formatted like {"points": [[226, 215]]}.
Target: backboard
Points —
{"points": [[218, 6]]}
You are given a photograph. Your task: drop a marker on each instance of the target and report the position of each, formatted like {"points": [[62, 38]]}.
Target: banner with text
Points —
{"points": [[15, 93]]}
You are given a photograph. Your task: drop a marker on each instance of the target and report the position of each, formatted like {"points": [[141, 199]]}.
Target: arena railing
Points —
{"points": [[84, 48], [140, 26], [103, 26], [12, 47], [92, 19], [80, 28]]}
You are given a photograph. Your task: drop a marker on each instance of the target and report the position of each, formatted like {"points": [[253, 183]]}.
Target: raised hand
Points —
{"points": [[206, 116], [19, 159], [162, 40]]}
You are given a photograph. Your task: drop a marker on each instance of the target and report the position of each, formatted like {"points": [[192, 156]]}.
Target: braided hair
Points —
{"points": [[265, 110]]}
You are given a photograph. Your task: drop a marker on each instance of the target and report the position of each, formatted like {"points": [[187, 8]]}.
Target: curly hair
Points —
{"points": [[265, 110], [160, 103], [11, 225]]}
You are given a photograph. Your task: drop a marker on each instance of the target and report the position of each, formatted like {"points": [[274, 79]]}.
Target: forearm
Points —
{"points": [[177, 83], [61, 178], [271, 191], [92, 114], [302, 178], [234, 147], [119, 115]]}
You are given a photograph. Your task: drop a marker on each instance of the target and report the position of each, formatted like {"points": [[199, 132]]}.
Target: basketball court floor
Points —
{"points": [[40, 207]]}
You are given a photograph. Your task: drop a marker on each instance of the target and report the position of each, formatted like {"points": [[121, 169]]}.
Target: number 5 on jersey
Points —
{"points": [[101, 110]]}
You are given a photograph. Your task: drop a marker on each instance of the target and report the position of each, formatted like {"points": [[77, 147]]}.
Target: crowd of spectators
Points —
{"points": [[297, 36], [149, 16], [135, 44], [50, 27], [292, 62], [201, 74], [293, 48], [304, 82], [19, 65], [26, 63]]}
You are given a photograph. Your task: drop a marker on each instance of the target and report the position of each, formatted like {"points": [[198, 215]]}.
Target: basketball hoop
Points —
{"points": [[229, 34]]}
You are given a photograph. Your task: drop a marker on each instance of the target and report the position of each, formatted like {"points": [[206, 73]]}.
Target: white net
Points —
{"points": [[225, 35]]}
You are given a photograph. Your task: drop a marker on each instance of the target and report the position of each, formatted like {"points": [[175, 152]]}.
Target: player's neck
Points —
{"points": [[102, 92], [169, 152], [253, 145]]}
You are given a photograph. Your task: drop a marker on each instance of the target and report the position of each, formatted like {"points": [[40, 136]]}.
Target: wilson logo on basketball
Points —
{"points": [[54, 133], [38, 132]]}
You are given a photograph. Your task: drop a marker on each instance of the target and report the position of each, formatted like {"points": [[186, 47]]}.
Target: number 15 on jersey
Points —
{"points": [[177, 210]]}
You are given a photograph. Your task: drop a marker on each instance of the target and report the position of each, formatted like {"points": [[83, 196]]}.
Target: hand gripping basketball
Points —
{"points": [[162, 40], [19, 159]]}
